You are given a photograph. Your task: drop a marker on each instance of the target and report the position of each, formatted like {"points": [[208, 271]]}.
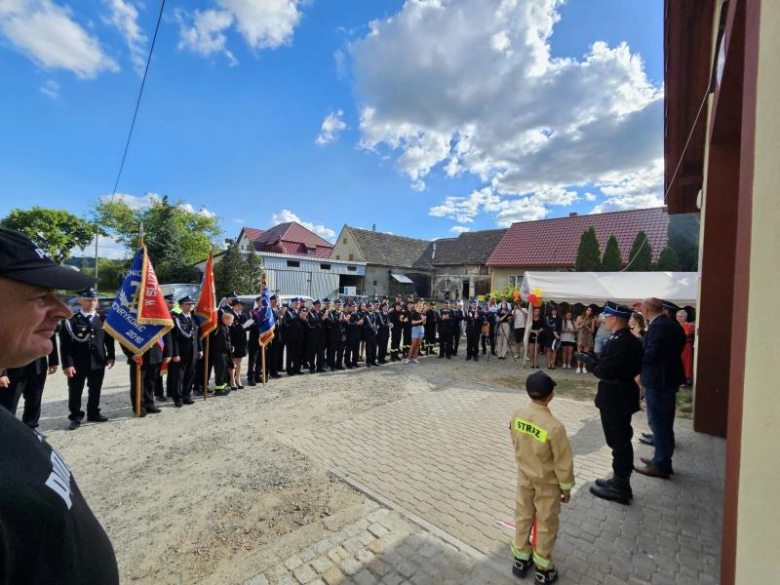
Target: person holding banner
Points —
{"points": [[223, 356], [48, 533], [186, 350]]}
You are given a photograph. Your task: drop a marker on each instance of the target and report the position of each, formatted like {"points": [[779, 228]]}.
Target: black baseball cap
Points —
{"points": [[23, 261], [539, 385]]}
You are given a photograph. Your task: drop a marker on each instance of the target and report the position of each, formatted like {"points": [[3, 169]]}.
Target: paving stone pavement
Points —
{"points": [[445, 457], [382, 548]]}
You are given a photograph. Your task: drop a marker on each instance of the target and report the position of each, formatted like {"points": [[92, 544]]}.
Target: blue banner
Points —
{"points": [[122, 319], [266, 325]]}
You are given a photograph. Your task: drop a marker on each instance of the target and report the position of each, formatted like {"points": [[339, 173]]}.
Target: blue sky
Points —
{"points": [[426, 118]]}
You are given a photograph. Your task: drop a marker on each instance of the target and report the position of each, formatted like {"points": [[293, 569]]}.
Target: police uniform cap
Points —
{"points": [[88, 293], [238, 301], [326, 300], [317, 302], [617, 310], [669, 306], [339, 302], [539, 385], [186, 299], [273, 298], [168, 297]]}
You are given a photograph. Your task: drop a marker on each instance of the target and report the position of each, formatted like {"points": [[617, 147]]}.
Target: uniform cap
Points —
{"points": [[23, 261], [669, 306], [168, 297], [88, 293], [339, 302], [273, 298], [326, 300], [238, 301], [617, 310], [186, 299], [317, 302], [539, 385]]}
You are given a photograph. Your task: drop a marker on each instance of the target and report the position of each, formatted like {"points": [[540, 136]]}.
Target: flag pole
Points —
{"points": [[263, 350], [140, 363], [206, 367]]}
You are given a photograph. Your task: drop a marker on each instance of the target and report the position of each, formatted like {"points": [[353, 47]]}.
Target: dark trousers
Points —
{"points": [[395, 343], [335, 351], [222, 366], [293, 356], [618, 433], [382, 336], [181, 377], [31, 387], [406, 342], [490, 338], [319, 350], [661, 407], [445, 343], [94, 381], [371, 351], [254, 368], [430, 338], [271, 359], [200, 374], [351, 351], [280, 355], [472, 345], [149, 375], [456, 333]]}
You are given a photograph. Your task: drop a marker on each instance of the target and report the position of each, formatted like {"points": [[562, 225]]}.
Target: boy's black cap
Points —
{"points": [[23, 261], [539, 385]]}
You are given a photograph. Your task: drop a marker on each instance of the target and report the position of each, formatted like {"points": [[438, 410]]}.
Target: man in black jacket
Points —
{"points": [[28, 381], [661, 376], [48, 534], [86, 350], [383, 332], [292, 332], [475, 319], [617, 399], [186, 350], [151, 362], [334, 323]]}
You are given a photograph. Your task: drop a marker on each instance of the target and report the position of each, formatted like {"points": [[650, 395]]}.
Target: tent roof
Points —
{"points": [[622, 287]]}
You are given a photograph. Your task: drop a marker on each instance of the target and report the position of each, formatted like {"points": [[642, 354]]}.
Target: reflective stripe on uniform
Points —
{"points": [[542, 562], [523, 426], [220, 387], [567, 486], [520, 555]]}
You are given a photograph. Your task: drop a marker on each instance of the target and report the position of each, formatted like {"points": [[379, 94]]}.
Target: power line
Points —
{"points": [[138, 100]]}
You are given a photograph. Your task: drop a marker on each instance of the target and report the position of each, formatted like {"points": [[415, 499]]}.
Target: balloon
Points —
{"points": [[532, 298], [537, 303], [537, 292], [517, 296]]}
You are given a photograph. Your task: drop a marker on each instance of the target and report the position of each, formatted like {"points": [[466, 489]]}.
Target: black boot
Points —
{"points": [[618, 490], [606, 483], [520, 568], [546, 577]]}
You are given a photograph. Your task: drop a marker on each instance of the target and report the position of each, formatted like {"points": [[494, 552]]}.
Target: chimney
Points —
{"points": [[373, 227], [573, 214], [433, 253]]}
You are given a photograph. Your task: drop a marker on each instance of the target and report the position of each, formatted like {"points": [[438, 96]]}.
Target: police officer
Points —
{"points": [[475, 319], [445, 323], [313, 339], [383, 333], [28, 381], [86, 350], [617, 399], [292, 337], [186, 350]]}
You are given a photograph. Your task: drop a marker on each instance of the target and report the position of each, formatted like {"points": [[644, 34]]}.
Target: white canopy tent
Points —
{"points": [[622, 287]]}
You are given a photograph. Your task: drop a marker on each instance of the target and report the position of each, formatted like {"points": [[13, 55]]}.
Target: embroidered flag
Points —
{"points": [[206, 309], [266, 325], [139, 317]]}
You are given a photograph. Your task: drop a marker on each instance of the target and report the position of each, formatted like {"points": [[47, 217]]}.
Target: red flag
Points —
{"points": [[152, 308], [206, 309]]}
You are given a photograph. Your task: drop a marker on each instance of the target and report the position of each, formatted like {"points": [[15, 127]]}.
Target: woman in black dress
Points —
{"points": [[537, 330], [238, 333]]}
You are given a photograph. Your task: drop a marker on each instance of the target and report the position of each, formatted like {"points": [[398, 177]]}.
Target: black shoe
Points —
{"points": [[188, 401], [152, 409], [648, 436], [321, 370], [546, 577], [74, 424], [606, 483], [442, 356], [98, 418], [476, 358], [468, 358], [252, 382], [222, 392], [239, 387], [161, 398], [449, 356], [647, 441], [520, 567], [177, 403], [618, 490], [275, 376]]}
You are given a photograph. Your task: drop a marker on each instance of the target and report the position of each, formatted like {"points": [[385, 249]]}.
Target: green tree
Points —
{"points": [[233, 272], [640, 258], [668, 260], [175, 235], [55, 231], [611, 261], [588, 252], [684, 239]]}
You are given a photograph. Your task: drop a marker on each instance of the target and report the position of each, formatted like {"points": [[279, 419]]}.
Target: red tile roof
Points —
{"points": [[288, 238], [554, 242]]}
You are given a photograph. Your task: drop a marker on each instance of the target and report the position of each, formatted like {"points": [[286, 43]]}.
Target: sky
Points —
{"points": [[426, 118]]}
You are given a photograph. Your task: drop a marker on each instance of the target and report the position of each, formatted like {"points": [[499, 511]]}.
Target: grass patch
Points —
{"points": [[685, 403], [582, 388]]}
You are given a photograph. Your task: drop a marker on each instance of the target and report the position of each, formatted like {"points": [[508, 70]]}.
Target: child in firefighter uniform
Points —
{"points": [[545, 477]]}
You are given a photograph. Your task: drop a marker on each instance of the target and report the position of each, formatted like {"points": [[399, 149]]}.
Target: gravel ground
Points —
{"points": [[209, 492]]}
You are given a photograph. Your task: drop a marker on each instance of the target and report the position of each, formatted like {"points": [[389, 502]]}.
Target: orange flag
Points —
{"points": [[206, 309]]}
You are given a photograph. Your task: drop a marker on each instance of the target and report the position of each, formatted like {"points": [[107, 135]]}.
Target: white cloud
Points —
{"points": [[145, 201], [589, 197], [107, 248], [238, 221], [332, 126], [124, 18], [202, 211], [341, 63], [51, 88], [465, 209], [286, 215], [641, 189], [264, 24], [468, 86], [459, 229], [46, 32], [206, 34]]}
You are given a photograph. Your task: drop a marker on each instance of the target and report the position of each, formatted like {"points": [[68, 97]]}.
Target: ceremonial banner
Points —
{"points": [[139, 317], [206, 309], [267, 322]]}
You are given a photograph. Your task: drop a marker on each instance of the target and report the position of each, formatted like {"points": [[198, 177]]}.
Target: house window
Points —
{"points": [[351, 257], [324, 266], [352, 268], [311, 251], [338, 257], [344, 241], [375, 283], [516, 281], [293, 264]]}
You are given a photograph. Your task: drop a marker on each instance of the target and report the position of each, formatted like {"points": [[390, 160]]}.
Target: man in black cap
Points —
{"points": [[353, 324], [475, 319], [64, 544], [396, 330], [86, 350], [383, 333], [161, 390], [292, 338], [617, 399], [370, 327], [458, 315], [444, 320], [186, 350]]}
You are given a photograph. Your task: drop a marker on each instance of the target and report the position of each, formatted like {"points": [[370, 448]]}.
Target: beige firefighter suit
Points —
{"points": [[545, 468]]}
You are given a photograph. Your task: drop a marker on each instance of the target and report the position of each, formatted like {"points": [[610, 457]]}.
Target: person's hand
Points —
{"points": [[137, 359], [52, 370], [167, 360], [69, 372], [4, 381], [110, 364], [200, 355], [565, 496], [176, 360]]}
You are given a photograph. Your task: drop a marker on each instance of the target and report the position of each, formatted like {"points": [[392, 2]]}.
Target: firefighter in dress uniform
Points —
{"points": [[335, 330], [85, 350], [292, 337], [475, 319], [444, 320], [383, 333], [186, 350], [396, 330]]}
